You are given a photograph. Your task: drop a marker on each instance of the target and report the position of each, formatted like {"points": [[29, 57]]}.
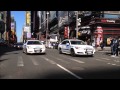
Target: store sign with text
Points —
{"points": [[85, 30], [107, 21], [66, 32]]}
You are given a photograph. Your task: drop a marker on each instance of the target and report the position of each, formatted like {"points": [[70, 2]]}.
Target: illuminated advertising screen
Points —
{"points": [[28, 15]]}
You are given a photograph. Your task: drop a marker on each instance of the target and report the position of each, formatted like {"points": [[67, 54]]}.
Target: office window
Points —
{"points": [[111, 16]]}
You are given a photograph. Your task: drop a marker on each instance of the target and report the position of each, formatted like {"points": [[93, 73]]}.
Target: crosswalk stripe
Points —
{"points": [[105, 58], [78, 61], [59, 59], [52, 62], [20, 62], [75, 60], [34, 61]]}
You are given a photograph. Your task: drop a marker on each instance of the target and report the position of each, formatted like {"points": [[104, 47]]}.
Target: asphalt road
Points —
{"points": [[14, 64]]}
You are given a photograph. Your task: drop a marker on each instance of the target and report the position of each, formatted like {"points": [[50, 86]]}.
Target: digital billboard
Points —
{"points": [[28, 18]]}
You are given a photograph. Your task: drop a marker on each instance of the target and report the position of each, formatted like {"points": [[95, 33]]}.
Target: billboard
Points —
{"points": [[13, 31], [27, 29], [28, 18], [62, 17], [29, 35], [12, 25], [66, 32]]}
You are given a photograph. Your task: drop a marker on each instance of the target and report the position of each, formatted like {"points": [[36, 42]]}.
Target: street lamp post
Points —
{"points": [[76, 24], [47, 29]]}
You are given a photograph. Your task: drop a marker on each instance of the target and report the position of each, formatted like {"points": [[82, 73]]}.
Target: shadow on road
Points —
{"points": [[3, 60], [4, 50], [111, 73], [108, 53]]}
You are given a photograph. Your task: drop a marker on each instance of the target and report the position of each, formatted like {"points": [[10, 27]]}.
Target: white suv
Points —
{"points": [[75, 47]]}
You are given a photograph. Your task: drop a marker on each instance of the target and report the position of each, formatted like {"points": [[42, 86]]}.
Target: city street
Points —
{"points": [[14, 64]]}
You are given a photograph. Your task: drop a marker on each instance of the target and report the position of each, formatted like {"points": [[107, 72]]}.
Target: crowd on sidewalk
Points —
{"points": [[115, 43]]}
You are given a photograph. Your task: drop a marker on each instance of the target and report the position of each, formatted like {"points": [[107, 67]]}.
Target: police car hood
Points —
{"points": [[83, 46]]}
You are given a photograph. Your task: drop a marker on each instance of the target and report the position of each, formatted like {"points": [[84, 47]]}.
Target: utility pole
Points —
{"points": [[47, 28], [76, 24]]}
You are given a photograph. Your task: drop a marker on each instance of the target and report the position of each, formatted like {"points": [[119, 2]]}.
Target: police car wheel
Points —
{"points": [[60, 51], [72, 53]]}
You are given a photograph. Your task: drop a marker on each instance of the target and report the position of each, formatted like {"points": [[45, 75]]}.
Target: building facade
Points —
{"points": [[94, 25], [13, 36], [5, 25], [106, 27]]}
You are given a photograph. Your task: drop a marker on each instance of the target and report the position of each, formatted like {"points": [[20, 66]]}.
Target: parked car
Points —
{"points": [[2, 41], [15, 45], [75, 47], [34, 46], [19, 45]]}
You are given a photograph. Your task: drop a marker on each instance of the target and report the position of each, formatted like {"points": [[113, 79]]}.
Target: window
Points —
{"points": [[64, 42], [34, 43], [111, 16], [78, 43], [1, 16], [67, 41]]}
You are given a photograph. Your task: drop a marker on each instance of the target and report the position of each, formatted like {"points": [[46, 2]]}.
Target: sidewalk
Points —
{"points": [[105, 48]]}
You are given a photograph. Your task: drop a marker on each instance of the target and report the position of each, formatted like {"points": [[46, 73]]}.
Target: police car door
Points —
{"points": [[67, 47], [63, 46]]}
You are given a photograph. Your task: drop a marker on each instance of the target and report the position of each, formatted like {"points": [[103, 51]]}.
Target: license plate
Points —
{"points": [[89, 52]]}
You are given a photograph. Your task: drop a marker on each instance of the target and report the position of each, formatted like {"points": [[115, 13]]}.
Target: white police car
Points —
{"points": [[34, 46], [75, 47]]}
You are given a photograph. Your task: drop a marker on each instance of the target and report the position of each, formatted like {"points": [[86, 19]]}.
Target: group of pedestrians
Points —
{"points": [[115, 44]]}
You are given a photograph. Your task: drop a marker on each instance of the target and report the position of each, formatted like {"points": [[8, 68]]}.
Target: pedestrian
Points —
{"points": [[116, 46], [53, 45], [112, 46], [88, 42], [102, 44], [93, 43]]}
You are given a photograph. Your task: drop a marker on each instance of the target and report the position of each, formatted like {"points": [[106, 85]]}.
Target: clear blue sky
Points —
{"points": [[20, 20]]}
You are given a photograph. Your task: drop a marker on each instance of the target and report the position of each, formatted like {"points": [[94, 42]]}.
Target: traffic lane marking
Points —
{"points": [[60, 59], [75, 60], [34, 61], [20, 62], [60, 66]]}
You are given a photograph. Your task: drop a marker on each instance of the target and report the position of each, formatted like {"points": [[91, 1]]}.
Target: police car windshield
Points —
{"points": [[34, 43], [78, 43]]}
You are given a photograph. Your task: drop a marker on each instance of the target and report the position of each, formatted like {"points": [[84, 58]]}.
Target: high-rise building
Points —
{"points": [[5, 25], [13, 36]]}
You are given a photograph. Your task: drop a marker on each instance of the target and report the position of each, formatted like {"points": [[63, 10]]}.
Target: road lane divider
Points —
{"points": [[60, 66], [34, 61], [78, 61], [52, 62], [69, 71], [105, 58], [75, 60], [60, 59], [20, 62], [100, 60]]}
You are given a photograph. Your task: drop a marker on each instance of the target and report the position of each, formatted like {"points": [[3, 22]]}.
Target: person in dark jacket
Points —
{"points": [[114, 47], [102, 45]]}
